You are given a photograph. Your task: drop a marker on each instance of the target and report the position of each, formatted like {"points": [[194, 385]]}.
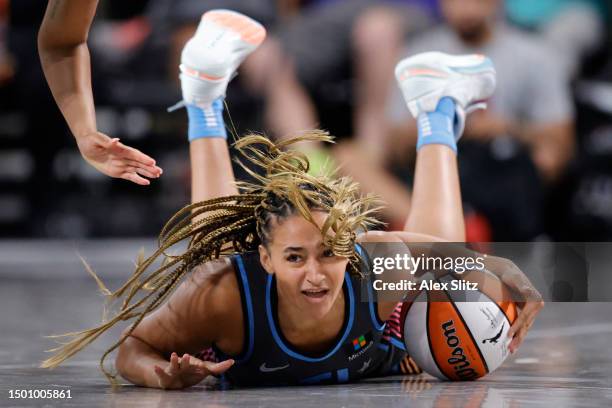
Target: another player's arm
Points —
{"points": [[62, 45], [64, 55], [159, 352]]}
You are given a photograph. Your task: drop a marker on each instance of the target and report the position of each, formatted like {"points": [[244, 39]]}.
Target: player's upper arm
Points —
{"points": [[389, 244], [191, 318], [66, 23]]}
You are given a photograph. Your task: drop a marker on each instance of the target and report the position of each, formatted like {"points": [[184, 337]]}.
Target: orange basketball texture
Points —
{"points": [[461, 339]]}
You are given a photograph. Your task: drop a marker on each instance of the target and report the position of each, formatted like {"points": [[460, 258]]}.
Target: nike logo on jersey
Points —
{"points": [[265, 369]]}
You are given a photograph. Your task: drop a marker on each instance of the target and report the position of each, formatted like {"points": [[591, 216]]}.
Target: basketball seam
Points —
{"points": [[431, 352], [467, 328]]}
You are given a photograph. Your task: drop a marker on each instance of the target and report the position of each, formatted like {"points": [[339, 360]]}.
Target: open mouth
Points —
{"points": [[315, 293]]}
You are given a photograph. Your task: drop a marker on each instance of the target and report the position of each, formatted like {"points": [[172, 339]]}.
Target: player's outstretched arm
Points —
{"points": [[159, 352], [508, 272], [62, 46]]}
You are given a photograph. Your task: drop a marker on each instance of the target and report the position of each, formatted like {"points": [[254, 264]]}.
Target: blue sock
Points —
{"points": [[206, 122], [437, 127]]}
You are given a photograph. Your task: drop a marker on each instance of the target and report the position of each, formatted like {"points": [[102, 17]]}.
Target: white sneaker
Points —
{"points": [[222, 41], [428, 77]]}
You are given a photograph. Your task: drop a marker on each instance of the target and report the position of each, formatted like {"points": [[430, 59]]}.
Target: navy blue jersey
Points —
{"points": [[364, 346]]}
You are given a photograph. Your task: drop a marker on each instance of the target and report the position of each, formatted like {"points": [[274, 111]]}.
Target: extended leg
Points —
{"points": [[211, 169], [439, 90], [208, 61], [436, 207]]}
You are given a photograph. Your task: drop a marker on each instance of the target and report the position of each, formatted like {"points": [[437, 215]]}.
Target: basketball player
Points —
{"points": [[284, 306], [62, 45]]}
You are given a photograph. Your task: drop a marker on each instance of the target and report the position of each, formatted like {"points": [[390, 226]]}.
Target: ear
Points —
{"points": [[264, 258]]}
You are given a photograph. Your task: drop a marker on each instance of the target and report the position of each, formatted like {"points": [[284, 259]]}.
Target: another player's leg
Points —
{"points": [[209, 60], [439, 90]]}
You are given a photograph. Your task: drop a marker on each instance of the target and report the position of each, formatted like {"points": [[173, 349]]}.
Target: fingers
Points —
{"points": [[170, 377], [516, 325], [517, 341], [190, 365], [134, 157], [135, 178], [134, 174], [174, 367], [131, 170], [218, 368], [185, 371], [162, 376], [130, 153], [187, 367], [115, 159], [522, 324], [149, 171]]}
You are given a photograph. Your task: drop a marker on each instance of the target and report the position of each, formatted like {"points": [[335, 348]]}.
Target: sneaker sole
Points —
{"points": [[249, 31], [414, 68]]}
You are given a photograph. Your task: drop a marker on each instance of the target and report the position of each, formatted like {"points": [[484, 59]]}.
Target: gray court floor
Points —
{"points": [[565, 362]]}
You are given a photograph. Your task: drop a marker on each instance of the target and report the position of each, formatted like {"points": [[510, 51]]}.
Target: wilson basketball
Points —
{"points": [[460, 334]]}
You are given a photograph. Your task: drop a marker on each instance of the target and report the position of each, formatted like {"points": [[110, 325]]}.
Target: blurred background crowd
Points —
{"points": [[536, 165]]}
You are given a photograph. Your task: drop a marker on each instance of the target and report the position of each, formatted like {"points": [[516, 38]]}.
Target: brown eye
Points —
{"points": [[294, 258]]}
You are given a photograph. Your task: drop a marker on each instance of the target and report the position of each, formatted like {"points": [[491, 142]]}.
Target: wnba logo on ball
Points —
{"points": [[458, 360]]}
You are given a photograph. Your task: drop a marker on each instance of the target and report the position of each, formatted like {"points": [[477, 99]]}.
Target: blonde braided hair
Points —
{"points": [[234, 224]]}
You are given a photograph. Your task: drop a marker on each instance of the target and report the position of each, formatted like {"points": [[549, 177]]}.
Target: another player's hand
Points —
{"points": [[113, 158], [529, 308], [183, 372]]}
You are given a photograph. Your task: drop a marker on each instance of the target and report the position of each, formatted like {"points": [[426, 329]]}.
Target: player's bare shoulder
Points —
{"points": [[215, 287], [211, 272], [218, 296]]}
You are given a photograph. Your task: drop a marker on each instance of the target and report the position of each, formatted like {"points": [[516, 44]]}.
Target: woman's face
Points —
{"points": [[470, 18], [308, 275]]}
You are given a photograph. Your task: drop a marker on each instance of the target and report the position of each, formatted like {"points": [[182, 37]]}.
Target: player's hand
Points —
{"points": [[183, 372], [528, 309], [524, 321], [113, 158]]}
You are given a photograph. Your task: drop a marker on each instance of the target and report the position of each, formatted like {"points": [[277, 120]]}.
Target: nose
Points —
{"points": [[314, 273]]}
